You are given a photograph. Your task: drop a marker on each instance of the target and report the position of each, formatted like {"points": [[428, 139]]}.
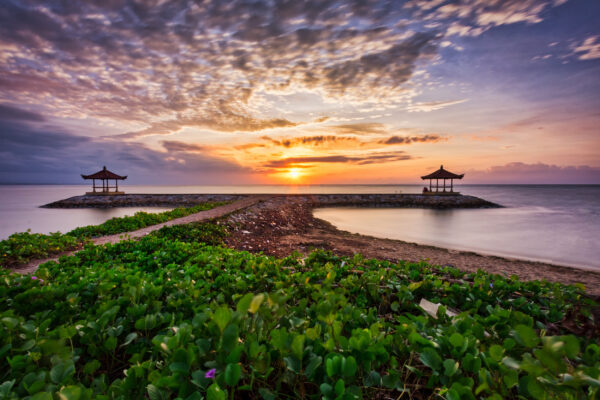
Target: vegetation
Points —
{"points": [[19, 248], [159, 318], [196, 232], [22, 247], [139, 220]]}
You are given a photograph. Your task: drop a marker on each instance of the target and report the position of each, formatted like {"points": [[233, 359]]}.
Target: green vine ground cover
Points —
{"points": [[164, 318], [22, 247]]}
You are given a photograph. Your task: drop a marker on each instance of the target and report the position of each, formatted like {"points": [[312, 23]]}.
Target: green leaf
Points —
{"points": [[349, 366], [70, 393], [571, 346], [535, 389], [510, 378], [110, 344], [230, 338], [129, 338], [293, 364], [256, 302], [222, 316], [313, 364], [326, 389], [298, 346], [214, 392], [178, 366], [61, 372], [452, 395], [233, 373], [42, 396], [456, 340], [373, 379], [5, 388], [339, 387], [431, 358], [244, 303], [526, 336], [496, 352], [91, 366], [450, 367], [155, 393]]}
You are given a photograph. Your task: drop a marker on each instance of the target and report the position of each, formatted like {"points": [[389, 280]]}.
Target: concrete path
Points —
{"points": [[216, 212]]}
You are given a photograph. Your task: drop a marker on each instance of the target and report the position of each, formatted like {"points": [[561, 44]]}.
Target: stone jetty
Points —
{"points": [[316, 200]]}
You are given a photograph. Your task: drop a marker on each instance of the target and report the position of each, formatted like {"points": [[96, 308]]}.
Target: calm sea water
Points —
{"points": [[19, 204], [552, 223]]}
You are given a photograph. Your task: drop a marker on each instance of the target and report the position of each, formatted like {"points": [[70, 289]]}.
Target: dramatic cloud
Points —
{"points": [[310, 140], [372, 158], [413, 139], [34, 154], [518, 172]]}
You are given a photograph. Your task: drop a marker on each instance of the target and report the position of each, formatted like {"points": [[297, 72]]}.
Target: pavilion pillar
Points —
{"points": [[444, 184], [430, 184], [451, 185], [437, 185]]}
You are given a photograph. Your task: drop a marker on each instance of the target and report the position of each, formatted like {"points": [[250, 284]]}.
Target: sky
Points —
{"points": [[300, 91]]}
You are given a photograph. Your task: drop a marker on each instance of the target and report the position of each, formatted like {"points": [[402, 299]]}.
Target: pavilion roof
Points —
{"points": [[104, 174], [442, 174]]}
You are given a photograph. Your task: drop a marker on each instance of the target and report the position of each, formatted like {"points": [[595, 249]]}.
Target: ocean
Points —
{"points": [[558, 224]]}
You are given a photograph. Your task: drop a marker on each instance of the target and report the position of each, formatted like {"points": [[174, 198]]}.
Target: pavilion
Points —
{"points": [[105, 176], [444, 175]]}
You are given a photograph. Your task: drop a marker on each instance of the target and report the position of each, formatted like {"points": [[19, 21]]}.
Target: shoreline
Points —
{"points": [[277, 227]]}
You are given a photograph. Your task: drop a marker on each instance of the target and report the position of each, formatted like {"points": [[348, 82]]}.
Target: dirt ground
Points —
{"points": [[280, 225]]}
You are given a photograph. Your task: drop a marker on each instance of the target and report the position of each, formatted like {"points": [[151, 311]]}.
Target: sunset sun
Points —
{"points": [[294, 173]]}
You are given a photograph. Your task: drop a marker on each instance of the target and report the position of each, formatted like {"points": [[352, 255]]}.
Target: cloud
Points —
{"points": [[413, 139], [210, 64], [8, 112], [589, 49], [372, 158], [432, 105], [175, 146], [519, 172], [46, 154], [366, 128], [309, 140], [225, 122], [473, 17]]}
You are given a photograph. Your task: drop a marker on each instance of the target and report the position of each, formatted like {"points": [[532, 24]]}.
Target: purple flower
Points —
{"points": [[34, 278], [492, 285], [210, 374]]}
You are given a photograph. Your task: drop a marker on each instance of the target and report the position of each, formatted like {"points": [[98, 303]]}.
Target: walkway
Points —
{"points": [[216, 212]]}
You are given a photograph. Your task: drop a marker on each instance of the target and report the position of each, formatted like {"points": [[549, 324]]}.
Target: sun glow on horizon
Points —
{"points": [[294, 173]]}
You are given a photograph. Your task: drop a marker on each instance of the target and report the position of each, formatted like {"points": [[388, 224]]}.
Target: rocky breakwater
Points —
{"points": [[141, 200], [400, 201]]}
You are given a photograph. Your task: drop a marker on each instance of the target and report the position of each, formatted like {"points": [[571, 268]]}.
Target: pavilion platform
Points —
{"points": [[376, 200]]}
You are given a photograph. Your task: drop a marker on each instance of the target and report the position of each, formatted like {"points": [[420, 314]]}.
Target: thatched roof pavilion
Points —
{"points": [[105, 176], [444, 175]]}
